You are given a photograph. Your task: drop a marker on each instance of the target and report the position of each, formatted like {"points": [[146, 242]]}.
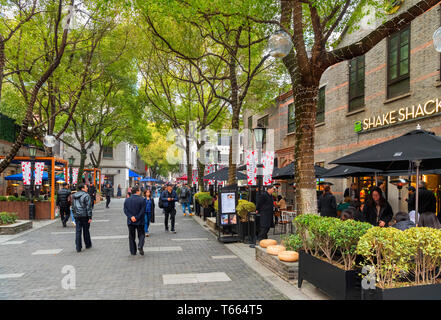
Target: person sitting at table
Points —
{"points": [[281, 203], [344, 205], [347, 214]]}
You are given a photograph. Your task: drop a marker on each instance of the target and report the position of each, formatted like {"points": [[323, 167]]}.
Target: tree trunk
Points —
{"points": [[232, 156], [305, 102], [201, 171], [187, 150], [2, 63], [83, 157]]}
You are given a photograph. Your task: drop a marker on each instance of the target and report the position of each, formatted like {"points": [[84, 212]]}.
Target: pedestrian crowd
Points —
{"points": [[139, 208]]}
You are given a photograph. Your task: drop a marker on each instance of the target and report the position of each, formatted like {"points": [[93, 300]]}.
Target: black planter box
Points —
{"points": [[243, 230], [424, 292], [197, 208], [206, 212], [335, 282]]}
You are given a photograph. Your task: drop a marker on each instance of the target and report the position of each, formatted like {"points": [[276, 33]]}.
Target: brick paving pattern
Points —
{"points": [[108, 271]]}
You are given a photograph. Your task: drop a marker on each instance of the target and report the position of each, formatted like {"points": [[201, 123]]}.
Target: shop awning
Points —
{"points": [[19, 177], [133, 174]]}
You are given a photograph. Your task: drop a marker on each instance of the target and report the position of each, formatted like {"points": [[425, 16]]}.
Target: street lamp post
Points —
{"points": [[32, 153], [259, 134], [71, 162]]}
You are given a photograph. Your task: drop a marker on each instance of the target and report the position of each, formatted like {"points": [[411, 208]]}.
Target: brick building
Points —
{"points": [[368, 100]]}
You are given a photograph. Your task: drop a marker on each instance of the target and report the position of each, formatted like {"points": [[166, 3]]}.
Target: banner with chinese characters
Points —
{"points": [[251, 162], [39, 169], [75, 175], [26, 172], [194, 176], [209, 168], [268, 166]]}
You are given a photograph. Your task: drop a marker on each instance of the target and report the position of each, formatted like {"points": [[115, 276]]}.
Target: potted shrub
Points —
{"points": [[205, 200], [8, 218], [405, 265], [328, 254], [242, 209]]}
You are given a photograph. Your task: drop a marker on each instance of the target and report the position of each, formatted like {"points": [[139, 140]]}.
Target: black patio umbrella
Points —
{"points": [[418, 147], [242, 167], [342, 171], [287, 172], [222, 175]]}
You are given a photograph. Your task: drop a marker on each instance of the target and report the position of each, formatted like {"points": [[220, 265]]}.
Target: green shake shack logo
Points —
{"points": [[392, 6]]}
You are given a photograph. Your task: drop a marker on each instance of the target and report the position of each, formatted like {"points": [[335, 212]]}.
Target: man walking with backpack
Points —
{"points": [[63, 203], [134, 209], [167, 200], [185, 199], [82, 211]]}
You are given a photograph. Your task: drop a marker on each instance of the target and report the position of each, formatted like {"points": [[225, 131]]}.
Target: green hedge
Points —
{"points": [[243, 208], [332, 239], [204, 198], [8, 217], [402, 258]]}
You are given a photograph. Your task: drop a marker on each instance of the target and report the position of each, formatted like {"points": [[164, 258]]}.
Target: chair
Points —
{"points": [[284, 219]]}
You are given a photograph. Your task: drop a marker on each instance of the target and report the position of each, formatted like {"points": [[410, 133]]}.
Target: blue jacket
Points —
{"points": [[164, 197], [135, 207]]}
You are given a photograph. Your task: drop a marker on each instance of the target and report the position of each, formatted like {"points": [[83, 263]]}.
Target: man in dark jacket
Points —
{"points": [[92, 193], [63, 203], [82, 211], [134, 209], [327, 205], [426, 199], [108, 193], [265, 209], [169, 198], [411, 199]]}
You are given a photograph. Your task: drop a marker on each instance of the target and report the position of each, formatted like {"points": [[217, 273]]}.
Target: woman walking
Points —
{"points": [[118, 192], [377, 211], [149, 210]]}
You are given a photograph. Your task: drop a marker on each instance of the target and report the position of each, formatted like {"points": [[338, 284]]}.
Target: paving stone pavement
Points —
{"points": [[108, 271]]}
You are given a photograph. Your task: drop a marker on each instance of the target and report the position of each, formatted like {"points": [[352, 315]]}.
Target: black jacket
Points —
{"points": [[370, 214], [63, 198], [265, 208], [164, 197], [426, 201], [327, 206], [108, 191], [82, 205], [135, 207], [411, 202]]}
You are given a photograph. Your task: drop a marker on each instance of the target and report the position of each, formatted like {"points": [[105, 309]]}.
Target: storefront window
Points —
{"points": [[398, 64], [356, 83], [291, 118], [320, 116]]}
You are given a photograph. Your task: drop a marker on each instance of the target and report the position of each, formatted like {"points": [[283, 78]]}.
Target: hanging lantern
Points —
{"points": [[279, 44], [437, 39], [49, 141]]}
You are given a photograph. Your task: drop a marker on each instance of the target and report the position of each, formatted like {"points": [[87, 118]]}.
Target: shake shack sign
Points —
{"points": [[429, 108]]}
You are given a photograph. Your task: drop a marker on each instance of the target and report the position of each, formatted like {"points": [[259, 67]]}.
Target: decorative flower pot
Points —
{"points": [[423, 292], [335, 282]]}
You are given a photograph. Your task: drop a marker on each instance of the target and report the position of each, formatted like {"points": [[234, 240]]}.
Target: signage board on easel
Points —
{"points": [[227, 216]]}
